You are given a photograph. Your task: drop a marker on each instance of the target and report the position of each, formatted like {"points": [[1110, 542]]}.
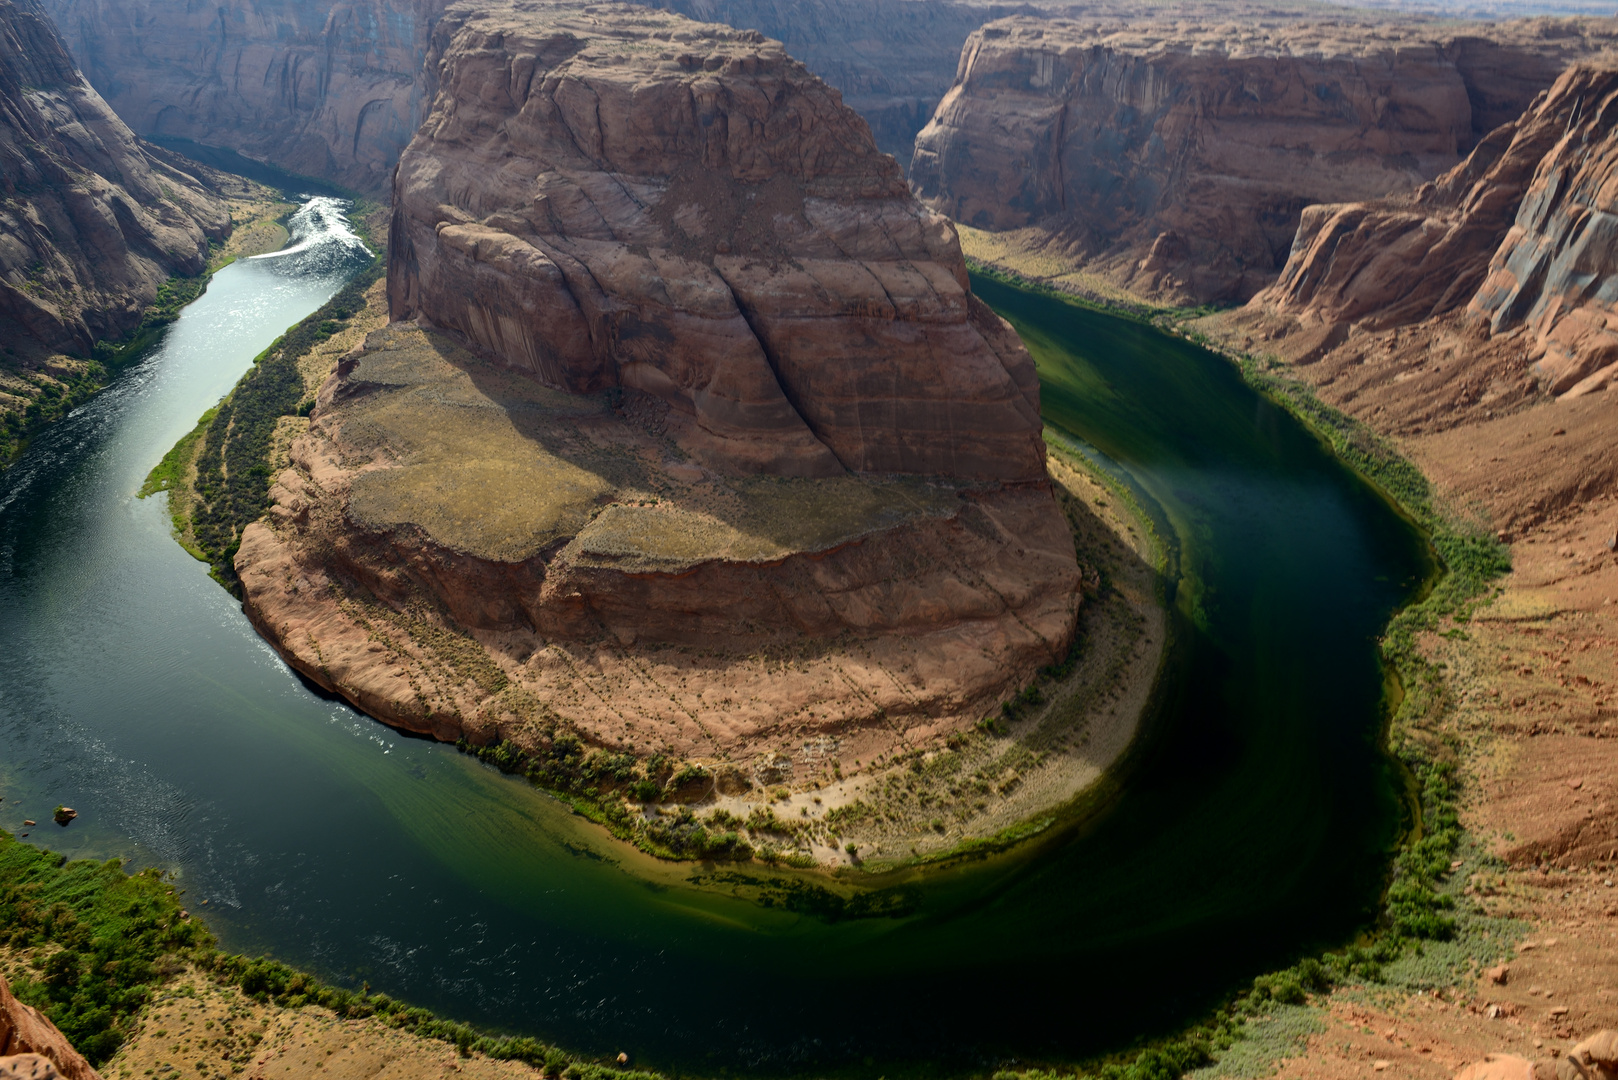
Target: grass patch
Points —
{"points": [[233, 468], [99, 942], [595, 783]]}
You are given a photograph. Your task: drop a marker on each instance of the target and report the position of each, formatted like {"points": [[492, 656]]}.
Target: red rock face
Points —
{"points": [[1177, 159], [1555, 276], [701, 221], [92, 221], [1520, 235], [26, 1036], [1397, 261]]}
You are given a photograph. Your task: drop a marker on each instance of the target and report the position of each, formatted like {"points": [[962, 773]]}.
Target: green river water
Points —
{"points": [[1255, 821]]}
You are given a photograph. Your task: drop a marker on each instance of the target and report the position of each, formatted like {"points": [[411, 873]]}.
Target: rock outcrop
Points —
{"points": [[709, 228], [1555, 275], [1520, 236], [32, 1047], [1176, 159], [92, 222], [695, 441], [331, 90]]}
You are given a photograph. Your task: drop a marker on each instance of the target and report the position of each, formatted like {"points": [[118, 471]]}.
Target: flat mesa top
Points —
{"points": [[490, 463]]}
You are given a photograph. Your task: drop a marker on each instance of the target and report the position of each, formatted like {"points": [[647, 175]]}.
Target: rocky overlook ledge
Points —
{"points": [[687, 436]]}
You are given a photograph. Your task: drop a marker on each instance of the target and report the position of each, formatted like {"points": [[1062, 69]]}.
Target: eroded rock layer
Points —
{"points": [[91, 221], [460, 550], [31, 1046], [1176, 159], [1519, 239], [332, 90], [613, 197]]}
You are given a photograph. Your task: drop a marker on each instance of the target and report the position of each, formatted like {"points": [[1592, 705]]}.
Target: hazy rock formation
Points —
{"points": [[32, 1048], [1555, 275], [700, 221], [91, 221], [1521, 235], [892, 60], [332, 90], [711, 333], [1177, 158]]}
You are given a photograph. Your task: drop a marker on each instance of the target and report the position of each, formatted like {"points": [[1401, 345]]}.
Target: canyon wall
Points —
{"points": [[1521, 235], [335, 90], [330, 90], [92, 221], [711, 228], [1176, 159], [893, 60]]}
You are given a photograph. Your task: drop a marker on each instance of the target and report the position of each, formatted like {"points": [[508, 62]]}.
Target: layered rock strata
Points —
{"points": [[92, 222], [695, 440], [1518, 240], [893, 60], [331, 90], [703, 225], [1176, 160]]}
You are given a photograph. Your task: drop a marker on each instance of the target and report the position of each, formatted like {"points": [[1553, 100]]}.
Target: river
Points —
{"points": [[1257, 817]]}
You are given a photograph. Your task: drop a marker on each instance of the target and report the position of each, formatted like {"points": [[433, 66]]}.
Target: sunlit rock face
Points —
{"points": [[1176, 158]]}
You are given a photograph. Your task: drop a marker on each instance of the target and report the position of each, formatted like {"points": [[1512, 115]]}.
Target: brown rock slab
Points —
{"points": [[31, 1046]]}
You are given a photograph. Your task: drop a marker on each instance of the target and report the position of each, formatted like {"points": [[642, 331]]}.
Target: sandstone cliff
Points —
{"points": [[332, 90], [31, 1047], [91, 221], [1176, 159], [1519, 235], [893, 60], [709, 228], [696, 441]]}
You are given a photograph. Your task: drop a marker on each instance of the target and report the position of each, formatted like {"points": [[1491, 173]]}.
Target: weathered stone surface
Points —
{"points": [[459, 550], [1521, 235], [614, 197], [1396, 261], [892, 60], [91, 221], [1555, 275], [1176, 158], [26, 1035], [325, 89]]}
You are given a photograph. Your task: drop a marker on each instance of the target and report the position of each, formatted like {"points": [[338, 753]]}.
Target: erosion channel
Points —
{"points": [[1251, 821]]}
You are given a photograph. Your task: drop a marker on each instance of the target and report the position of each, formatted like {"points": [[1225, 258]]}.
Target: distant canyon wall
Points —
{"points": [[91, 221], [1177, 159], [893, 60], [329, 90], [1522, 236]]}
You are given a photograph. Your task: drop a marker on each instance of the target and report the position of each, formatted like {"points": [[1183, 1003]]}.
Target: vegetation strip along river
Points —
{"points": [[1255, 823]]}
